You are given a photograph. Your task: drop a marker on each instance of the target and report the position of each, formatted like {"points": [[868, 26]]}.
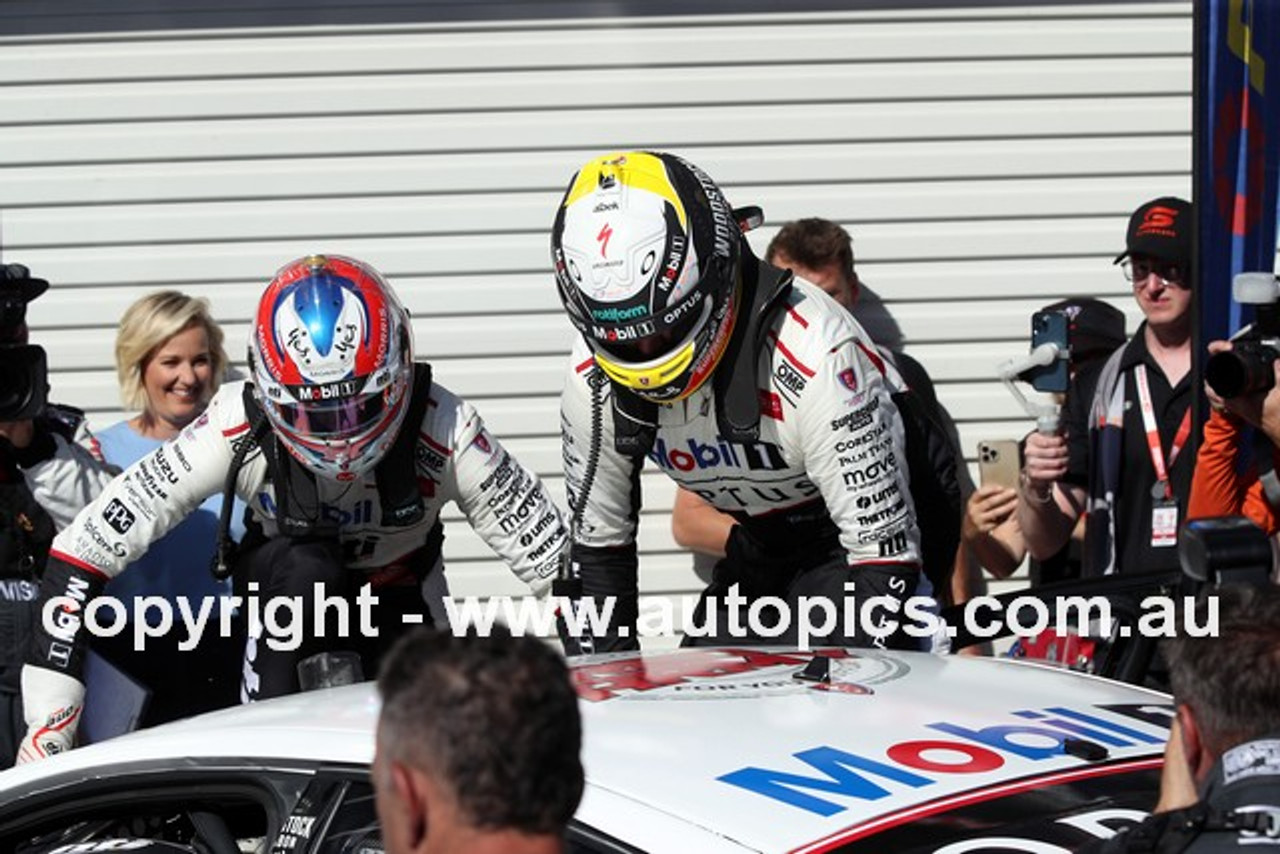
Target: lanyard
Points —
{"points": [[1153, 436]]}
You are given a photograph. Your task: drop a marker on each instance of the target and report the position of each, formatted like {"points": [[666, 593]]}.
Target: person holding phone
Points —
{"points": [[990, 526], [1093, 330], [1127, 421]]}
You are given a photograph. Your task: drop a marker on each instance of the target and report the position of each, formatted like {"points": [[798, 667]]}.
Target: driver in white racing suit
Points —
{"points": [[748, 387], [344, 450]]}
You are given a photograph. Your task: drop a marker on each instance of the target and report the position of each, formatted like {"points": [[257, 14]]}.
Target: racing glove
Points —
{"points": [[52, 704], [751, 565], [599, 604]]}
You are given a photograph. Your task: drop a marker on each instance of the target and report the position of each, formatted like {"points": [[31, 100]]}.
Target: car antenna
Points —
{"points": [[817, 670], [1081, 748]]}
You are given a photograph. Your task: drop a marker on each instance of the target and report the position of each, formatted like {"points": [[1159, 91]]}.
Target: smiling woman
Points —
{"points": [[170, 361]]}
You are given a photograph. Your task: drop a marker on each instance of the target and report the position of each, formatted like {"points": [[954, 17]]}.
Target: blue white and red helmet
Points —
{"points": [[647, 260], [332, 362]]}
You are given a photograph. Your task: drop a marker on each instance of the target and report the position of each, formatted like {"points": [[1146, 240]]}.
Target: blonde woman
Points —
{"points": [[170, 361]]}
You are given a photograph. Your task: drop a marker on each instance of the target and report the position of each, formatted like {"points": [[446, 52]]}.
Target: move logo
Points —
{"points": [[753, 456], [1040, 736]]}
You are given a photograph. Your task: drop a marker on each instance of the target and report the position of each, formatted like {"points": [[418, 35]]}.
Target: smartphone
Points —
{"points": [[998, 462], [1050, 327]]}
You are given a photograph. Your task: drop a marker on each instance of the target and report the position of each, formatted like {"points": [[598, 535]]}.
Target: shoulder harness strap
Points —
{"points": [[764, 291]]}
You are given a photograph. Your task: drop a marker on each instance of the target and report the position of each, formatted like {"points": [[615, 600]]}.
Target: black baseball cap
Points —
{"points": [[18, 277], [1161, 229]]}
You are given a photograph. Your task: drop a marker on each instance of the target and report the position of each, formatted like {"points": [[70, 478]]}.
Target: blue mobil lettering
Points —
{"points": [[917, 763], [754, 456], [360, 514]]}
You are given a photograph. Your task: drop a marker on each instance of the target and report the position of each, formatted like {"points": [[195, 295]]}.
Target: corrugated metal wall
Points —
{"points": [[985, 161]]}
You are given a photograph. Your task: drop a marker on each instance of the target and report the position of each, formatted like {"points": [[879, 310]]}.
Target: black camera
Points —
{"points": [[1246, 367], [24, 369], [24, 381], [1224, 550]]}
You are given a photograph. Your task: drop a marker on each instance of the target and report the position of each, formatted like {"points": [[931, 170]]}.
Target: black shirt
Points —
{"points": [[1134, 500]]}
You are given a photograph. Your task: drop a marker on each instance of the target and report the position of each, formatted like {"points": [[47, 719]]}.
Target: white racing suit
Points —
{"points": [[821, 496], [456, 460]]}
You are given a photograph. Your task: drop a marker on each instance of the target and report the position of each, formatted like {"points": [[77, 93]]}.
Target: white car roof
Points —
{"points": [[726, 746]]}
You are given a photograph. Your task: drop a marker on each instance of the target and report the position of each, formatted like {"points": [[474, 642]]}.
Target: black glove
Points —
{"points": [[753, 566], [604, 577], [568, 592]]}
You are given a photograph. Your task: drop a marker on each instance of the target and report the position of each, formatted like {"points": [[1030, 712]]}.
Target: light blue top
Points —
{"points": [[178, 564]]}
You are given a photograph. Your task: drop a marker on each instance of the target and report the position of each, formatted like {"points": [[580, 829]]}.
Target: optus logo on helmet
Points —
{"points": [[684, 308]]}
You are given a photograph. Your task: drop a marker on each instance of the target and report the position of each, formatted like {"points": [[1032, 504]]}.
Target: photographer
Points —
{"points": [[1220, 788], [28, 427], [1219, 487]]}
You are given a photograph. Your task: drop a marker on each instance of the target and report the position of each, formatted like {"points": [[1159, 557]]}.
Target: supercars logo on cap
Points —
{"points": [[1158, 219]]}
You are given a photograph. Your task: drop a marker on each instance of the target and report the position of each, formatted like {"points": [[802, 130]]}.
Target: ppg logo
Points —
{"points": [[119, 517]]}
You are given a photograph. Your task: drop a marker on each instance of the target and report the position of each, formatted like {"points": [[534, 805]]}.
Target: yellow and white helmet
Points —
{"points": [[646, 252]]}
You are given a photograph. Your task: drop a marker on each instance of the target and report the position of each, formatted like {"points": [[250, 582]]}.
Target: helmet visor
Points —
{"points": [[632, 363], [660, 343], [333, 418]]}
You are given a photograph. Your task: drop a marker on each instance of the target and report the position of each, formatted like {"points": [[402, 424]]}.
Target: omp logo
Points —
{"points": [[753, 456], [916, 763], [789, 378], [119, 517]]}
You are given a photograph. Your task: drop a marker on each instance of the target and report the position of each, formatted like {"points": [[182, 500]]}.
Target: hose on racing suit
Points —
{"points": [[568, 581]]}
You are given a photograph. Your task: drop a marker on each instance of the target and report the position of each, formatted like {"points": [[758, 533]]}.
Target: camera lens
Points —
{"points": [[15, 387], [1244, 369], [24, 382]]}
